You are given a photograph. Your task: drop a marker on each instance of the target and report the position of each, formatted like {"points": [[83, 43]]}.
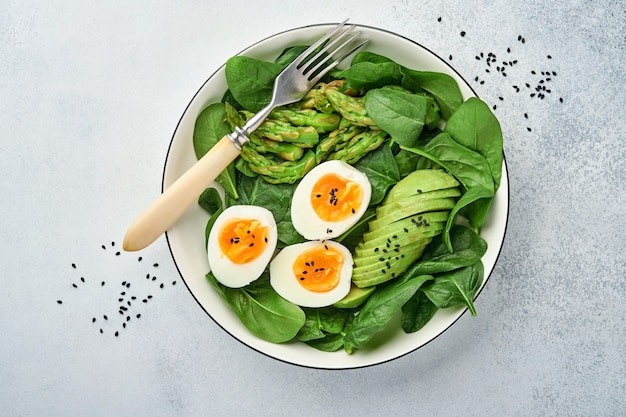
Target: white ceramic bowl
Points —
{"points": [[186, 238]]}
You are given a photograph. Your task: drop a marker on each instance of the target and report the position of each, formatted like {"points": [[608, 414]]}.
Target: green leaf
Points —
{"points": [[400, 114], [322, 321], [417, 312], [367, 75], [469, 167], [442, 87], [274, 197], [379, 309], [468, 248], [381, 169], [210, 127], [456, 288], [211, 201], [474, 126], [266, 314], [251, 81]]}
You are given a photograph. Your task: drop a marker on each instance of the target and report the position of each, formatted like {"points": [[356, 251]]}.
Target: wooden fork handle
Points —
{"points": [[177, 198]]}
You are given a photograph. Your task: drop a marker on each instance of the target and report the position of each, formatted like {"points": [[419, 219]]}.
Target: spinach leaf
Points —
{"points": [[442, 87], [367, 56], [474, 126], [211, 201], [210, 127], [251, 81], [458, 287], [289, 54], [379, 309], [468, 248], [329, 343], [469, 167], [400, 114], [381, 169], [274, 197], [266, 314], [366, 75], [417, 312], [321, 321]]}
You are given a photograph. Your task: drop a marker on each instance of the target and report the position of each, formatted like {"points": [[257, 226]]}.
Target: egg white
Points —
{"points": [[304, 218], [285, 282], [227, 272]]}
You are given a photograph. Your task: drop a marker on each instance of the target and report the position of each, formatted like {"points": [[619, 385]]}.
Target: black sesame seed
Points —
{"points": [[102, 284], [74, 266], [439, 19], [462, 33], [82, 279], [74, 285], [59, 302], [155, 265], [173, 282], [138, 315], [561, 99], [105, 317], [117, 334], [161, 285], [139, 259], [104, 247], [124, 325], [93, 320], [117, 253], [529, 129], [101, 331]]}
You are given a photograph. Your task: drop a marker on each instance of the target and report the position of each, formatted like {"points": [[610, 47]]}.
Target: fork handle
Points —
{"points": [[178, 197]]}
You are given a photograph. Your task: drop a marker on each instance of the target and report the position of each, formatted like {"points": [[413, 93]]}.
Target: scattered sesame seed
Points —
{"points": [[74, 266], [59, 302]]}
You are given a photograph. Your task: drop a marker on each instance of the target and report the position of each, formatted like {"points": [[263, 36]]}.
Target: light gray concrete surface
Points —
{"points": [[90, 93]]}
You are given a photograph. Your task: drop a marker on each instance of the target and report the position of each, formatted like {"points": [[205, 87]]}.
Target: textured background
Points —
{"points": [[90, 93]]}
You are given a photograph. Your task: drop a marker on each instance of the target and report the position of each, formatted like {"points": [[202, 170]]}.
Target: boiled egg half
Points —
{"points": [[241, 244], [313, 273], [330, 199]]}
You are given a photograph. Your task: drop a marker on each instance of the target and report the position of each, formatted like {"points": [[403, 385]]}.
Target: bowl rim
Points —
{"points": [[169, 245]]}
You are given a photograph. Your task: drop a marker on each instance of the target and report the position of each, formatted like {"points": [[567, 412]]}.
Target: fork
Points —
{"points": [[290, 86]]}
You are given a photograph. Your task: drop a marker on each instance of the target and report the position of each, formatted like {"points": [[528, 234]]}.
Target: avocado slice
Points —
{"points": [[420, 181], [390, 267], [430, 206], [355, 297], [409, 204]]}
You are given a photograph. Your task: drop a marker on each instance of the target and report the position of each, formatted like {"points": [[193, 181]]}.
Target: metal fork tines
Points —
{"points": [[303, 73]]}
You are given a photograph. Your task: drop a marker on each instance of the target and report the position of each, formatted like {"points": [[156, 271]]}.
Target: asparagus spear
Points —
{"points": [[280, 131], [322, 122], [275, 173], [334, 140], [350, 108], [286, 151], [360, 145]]}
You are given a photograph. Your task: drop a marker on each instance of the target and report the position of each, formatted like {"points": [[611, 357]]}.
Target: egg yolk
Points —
{"points": [[334, 198], [318, 269], [243, 240]]}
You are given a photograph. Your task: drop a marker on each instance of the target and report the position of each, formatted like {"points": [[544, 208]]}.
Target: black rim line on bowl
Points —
{"points": [[170, 246]]}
